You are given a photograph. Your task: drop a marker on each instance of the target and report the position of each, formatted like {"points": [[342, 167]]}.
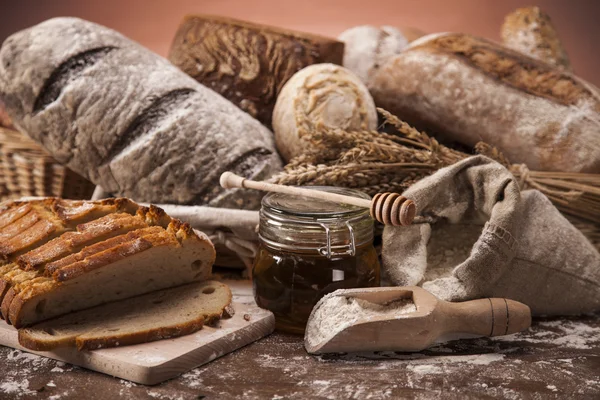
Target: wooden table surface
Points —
{"points": [[556, 358]]}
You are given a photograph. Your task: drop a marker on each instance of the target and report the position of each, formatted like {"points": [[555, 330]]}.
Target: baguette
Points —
{"points": [[127, 119], [158, 315], [466, 89]]}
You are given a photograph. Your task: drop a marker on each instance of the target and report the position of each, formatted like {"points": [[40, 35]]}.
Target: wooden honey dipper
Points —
{"points": [[387, 208]]}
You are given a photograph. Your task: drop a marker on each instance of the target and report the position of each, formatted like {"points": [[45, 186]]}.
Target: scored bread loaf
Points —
{"points": [[529, 30], [127, 119], [467, 89], [320, 95], [119, 250], [368, 47], [154, 316], [245, 62]]}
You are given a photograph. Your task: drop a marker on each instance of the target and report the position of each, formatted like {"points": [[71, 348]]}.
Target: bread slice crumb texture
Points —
{"points": [[159, 315]]}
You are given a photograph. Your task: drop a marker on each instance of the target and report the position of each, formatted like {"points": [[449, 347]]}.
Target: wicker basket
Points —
{"points": [[26, 169]]}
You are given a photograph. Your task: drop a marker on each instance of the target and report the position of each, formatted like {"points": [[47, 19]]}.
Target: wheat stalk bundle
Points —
{"points": [[377, 162]]}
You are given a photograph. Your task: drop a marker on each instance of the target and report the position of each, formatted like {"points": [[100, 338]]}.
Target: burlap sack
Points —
{"points": [[525, 249]]}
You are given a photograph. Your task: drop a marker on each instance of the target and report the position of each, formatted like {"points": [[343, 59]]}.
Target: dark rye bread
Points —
{"points": [[127, 119], [530, 31], [245, 62], [469, 89], [158, 315]]}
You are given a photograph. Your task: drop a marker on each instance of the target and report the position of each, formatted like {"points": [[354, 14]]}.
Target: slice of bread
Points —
{"points": [[159, 315]]}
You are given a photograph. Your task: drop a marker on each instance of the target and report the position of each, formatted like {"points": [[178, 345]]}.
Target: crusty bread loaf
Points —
{"points": [[126, 251], [320, 95], [368, 47], [247, 63], [469, 89], [530, 31], [127, 119], [107, 218], [158, 315]]}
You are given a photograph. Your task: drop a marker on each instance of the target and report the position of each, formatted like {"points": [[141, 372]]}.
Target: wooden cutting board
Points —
{"points": [[155, 362]]}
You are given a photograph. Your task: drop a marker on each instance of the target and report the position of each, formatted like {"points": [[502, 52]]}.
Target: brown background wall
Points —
{"points": [[154, 22]]}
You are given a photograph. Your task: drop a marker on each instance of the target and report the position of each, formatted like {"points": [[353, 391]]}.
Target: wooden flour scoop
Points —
{"points": [[405, 319]]}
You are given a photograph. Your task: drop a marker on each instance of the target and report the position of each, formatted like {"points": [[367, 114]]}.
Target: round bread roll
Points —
{"points": [[320, 95], [368, 47]]}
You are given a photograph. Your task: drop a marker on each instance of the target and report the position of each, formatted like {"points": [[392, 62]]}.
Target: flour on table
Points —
{"points": [[26, 366], [16, 387], [336, 313], [564, 333], [424, 369], [193, 378]]}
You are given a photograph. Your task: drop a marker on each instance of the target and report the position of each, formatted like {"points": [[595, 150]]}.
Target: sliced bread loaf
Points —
{"points": [[99, 224], [14, 281], [91, 245], [170, 258], [159, 315]]}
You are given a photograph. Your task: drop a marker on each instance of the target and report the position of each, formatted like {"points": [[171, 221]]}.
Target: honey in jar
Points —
{"points": [[309, 248]]}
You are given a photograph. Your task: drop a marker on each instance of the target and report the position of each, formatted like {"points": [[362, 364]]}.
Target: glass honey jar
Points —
{"points": [[309, 248]]}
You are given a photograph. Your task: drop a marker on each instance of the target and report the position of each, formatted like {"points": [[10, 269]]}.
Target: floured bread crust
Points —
{"points": [[127, 119], [467, 89]]}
